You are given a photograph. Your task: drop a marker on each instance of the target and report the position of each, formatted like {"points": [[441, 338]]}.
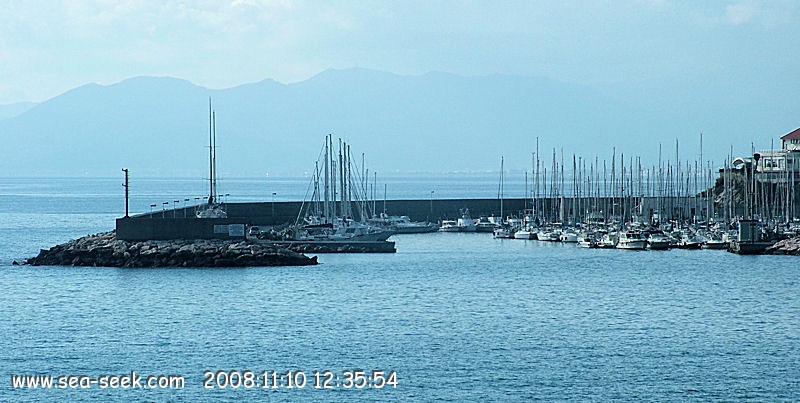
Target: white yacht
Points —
{"points": [[449, 226], [632, 240], [569, 237], [525, 233], [402, 224]]}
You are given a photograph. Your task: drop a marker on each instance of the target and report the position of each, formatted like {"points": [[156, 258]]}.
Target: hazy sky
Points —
{"points": [[48, 47]]}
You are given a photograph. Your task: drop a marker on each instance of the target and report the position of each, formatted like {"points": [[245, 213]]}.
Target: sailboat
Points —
{"points": [[338, 210], [213, 209], [502, 229]]}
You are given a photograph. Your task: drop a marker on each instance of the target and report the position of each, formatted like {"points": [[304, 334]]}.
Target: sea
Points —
{"points": [[449, 317]]}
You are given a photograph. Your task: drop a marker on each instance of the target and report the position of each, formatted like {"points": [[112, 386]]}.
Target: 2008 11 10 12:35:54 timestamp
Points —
{"points": [[325, 379]]}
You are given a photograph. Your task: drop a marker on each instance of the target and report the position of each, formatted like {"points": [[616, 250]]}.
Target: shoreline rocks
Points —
{"points": [[105, 250], [789, 246]]}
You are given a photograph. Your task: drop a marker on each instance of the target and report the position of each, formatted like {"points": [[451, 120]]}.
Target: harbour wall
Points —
{"points": [[181, 223]]}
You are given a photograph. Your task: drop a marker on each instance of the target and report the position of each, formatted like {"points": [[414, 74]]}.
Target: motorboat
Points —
{"points": [[525, 233], [466, 223], [402, 224], [658, 241], [483, 224], [608, 241], [688, 241], [587, 241], [505, 231], [631, 240], [449, 226], [548, 235], [569, 237], [715, 241]]}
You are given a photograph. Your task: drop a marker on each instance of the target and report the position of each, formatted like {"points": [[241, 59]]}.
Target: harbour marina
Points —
{"points": [[621, 204]]}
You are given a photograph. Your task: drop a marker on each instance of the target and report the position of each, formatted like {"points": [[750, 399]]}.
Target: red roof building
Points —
{"points": [[791, 141]]}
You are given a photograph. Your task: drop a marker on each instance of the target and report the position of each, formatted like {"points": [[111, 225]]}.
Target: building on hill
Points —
{"points": [[780, 166], [765, 185], [791, 141]]}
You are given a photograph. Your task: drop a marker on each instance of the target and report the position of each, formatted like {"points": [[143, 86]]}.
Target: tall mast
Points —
{"points": [[537, 209], [327, 164], [214, 154], [341, 181], [210, 153], [502, 173]]}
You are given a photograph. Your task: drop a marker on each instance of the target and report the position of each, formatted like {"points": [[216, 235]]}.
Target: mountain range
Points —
{"points": [[436, 122]]}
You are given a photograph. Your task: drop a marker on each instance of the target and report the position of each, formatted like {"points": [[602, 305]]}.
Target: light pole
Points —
{"points": [[164, 209], [126, 191], [432, 191], [185, 206], [152, 206], [175, 208], [273, 204]]}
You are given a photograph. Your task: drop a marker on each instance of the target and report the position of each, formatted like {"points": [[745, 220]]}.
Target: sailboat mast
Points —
{"points": [[214, 154], [210, 154], [341, 181], [537, 209], [502, 172], [327, 187]]}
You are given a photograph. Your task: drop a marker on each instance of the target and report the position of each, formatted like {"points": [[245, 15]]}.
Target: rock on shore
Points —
{"points": [[105, 250], [790, 246]]}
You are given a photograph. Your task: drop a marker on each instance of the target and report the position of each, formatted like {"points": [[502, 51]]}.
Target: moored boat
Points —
{"points": [[483, 224], [569, 237], [505, 231], [525, 233], [631, 240], [449, 226], [587, 241], [658, 241], [548, 235], [402, 224]]}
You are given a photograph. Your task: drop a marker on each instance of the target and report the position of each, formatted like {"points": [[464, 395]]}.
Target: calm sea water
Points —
{"points": [[459, 317]]}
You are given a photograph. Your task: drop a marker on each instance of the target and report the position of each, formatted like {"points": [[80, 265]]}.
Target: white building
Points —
{"points": [[791, 141], [783, 164]]}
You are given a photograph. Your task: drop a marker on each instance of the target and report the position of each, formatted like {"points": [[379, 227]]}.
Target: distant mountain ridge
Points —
{"points": [[15, 109], [158, 126]]}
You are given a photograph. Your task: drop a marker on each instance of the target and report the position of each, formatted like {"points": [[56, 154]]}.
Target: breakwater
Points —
{"points": [[789, 246], [181, 223], [337, 246], [105, 250]]}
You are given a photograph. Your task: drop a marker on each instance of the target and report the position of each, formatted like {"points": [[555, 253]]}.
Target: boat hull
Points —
{"points": [[632, 245], [658, 245], [416, 229], [715, 245], [524, 235]]}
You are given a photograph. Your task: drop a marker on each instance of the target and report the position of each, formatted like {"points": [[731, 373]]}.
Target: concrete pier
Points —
{"points": [[181, 223]]}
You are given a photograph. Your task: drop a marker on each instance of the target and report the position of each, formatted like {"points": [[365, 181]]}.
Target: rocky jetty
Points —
{"points": [[790, 246], [105, 250]]}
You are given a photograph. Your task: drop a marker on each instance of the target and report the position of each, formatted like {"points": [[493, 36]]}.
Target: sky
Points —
{"points": [[48, 47]]}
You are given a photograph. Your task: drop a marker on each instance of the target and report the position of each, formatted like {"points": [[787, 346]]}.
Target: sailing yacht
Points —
{"points": [[328, 216]]}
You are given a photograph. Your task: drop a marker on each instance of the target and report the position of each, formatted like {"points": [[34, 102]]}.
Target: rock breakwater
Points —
{"points": [[105, 250], [789, 246]]}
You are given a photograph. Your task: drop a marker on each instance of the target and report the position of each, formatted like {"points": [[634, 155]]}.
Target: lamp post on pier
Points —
{"points": [[126, 190], [432, 191]]}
